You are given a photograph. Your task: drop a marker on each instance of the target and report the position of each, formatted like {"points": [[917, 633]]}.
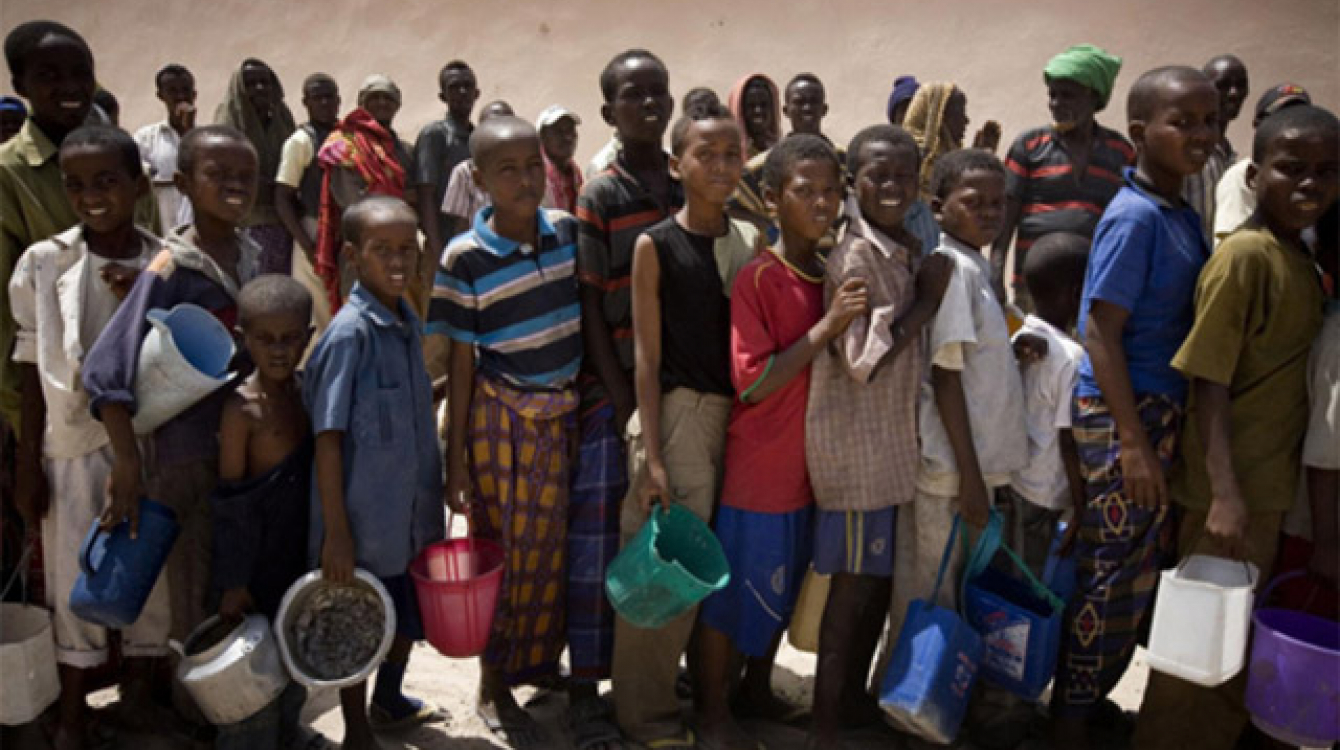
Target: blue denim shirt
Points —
{"points": [[366, 379]]}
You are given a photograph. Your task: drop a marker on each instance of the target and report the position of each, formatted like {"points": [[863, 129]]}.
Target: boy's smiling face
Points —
{"points": [[759, 110], [100, 188], [642, 104], [1297, 178], [222, 182], [712, 160], [512, 173], [386, 253], [276, 343], [58, 82], [809, 200], [886, 183], [805, 106], [1182, 129]]}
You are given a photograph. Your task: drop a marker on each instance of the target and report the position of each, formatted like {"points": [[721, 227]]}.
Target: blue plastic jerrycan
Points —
{"points": [[117, 573]]}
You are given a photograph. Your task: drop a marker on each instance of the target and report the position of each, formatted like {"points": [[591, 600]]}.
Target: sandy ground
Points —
{"points": [[449, 683]]}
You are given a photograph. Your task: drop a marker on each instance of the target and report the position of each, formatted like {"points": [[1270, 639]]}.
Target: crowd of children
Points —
{"points": [[807, 346]]}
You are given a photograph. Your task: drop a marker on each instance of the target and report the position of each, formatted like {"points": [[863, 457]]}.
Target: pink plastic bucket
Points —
{"points": [[457, 584], [1293, 676]]}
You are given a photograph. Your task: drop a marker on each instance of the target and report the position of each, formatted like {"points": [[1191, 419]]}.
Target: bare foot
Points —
{"points": [[508, 721], [722, 733]]}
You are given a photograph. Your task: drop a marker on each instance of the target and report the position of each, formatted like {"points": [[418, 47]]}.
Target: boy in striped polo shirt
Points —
{"points": [[506, 296]]}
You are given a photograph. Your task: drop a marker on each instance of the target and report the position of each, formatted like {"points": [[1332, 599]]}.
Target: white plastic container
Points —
{"points": [[183, 359], [294, 603], [237, 675], [1202, 618], [28, 663]]}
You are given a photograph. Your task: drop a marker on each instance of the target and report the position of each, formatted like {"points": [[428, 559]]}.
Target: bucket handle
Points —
{"points": [[20, 573], [1246, 569], [991, 542], [944, 558], [86, 551], [1276, 581]]}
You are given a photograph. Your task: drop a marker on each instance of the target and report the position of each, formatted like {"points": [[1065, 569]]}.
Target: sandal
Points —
{"points": [[686, 741], [427, 713], [520, 733], [591, 725]]}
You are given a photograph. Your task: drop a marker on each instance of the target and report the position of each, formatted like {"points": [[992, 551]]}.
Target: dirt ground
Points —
{"points": [[449, 683]]}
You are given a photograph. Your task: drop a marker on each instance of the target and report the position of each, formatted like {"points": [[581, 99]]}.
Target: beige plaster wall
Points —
{"points": [[536, 53]]}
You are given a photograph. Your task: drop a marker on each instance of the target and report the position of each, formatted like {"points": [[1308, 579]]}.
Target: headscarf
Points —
{"points": [[925, 121], [904, 87], [378, 83], [736, 106], [360, 143], [268, 140], [1090, 66]]}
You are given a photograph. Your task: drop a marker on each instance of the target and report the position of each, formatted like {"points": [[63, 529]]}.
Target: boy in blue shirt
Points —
{"points": [[378, 494], [1136, 309]]}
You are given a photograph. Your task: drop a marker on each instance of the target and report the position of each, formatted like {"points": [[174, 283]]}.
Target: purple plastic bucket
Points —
{"points": [[1293, 677]]}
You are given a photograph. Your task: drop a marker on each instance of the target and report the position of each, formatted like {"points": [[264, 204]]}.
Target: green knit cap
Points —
{"points": [[1088, 66]]}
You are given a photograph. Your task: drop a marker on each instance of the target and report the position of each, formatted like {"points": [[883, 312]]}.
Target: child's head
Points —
{"points": [[175, 87], [805, 104], [321, 98], [1278, 97], [802, 185], [1054, 271], [968, 195], [1295, 169], [1173, 120], [217, 170], [558, 133], [699, 96], [274, 316], [638, 105], [458, 89], [103, 177], [107, 102], [380, 97], [508, 166], [884, 163], [12, 116], [51, 66], [262, 87], [707, 154], [496, 108], [381, 234], [1229, 77]]}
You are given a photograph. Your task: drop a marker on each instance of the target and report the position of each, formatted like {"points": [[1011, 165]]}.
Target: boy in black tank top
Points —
{"points": [[683, 269]]}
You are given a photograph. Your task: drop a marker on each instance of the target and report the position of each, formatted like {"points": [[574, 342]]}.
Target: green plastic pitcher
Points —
{"points": [[673, 563]]}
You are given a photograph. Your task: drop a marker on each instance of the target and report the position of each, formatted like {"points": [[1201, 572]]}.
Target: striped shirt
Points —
{"points": [[1198, 189], [1041, 177], [517, 305], [613, 209]]}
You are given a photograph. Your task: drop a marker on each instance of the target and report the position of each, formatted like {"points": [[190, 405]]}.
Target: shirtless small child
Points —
{"points": [[261, 502]]}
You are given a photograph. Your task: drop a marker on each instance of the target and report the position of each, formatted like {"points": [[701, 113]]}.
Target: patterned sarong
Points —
{"points": [[518, 445], [1119, 550], [599, 481]]}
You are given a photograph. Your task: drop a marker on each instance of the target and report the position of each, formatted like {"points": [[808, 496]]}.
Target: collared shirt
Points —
{"points": [[1199, 188], [1147, 254], [60, 306], [1052, 198], [1234, 201], [969, 334], [860, 426], [613, 210], [517, 305], [464, 198], [366, 380], [1049, 390], [158, 148], [441, 145], [1259, 308], [33, 207]]}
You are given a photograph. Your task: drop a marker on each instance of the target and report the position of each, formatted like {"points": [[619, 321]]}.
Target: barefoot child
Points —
{"points": [[507, 297], [765, 522], [1136, 310], [265, 469], [378, 493], [1259, 307], [683, 269], [614, 207], [62, 293]]}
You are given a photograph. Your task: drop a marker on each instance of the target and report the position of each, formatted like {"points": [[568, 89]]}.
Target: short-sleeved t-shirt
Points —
{"points": [[517, 305], [1049, 389], [773, 305], [1258, 309], [1052, 197], [612, 210], [366, 379], [1146, 256], [1321, 446], [441, 145]]}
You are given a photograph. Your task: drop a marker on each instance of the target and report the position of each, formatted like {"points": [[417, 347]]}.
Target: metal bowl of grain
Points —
{"points": [[334, 636]]}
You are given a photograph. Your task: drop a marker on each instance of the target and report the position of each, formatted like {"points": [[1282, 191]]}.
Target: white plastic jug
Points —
{"points": [[184, 358], [1202, 618], [28, 662], [231, 672]]}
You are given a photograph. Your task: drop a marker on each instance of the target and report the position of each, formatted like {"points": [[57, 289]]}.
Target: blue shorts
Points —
{"points": [[406, 602], [854, 541], [768, 554]]}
